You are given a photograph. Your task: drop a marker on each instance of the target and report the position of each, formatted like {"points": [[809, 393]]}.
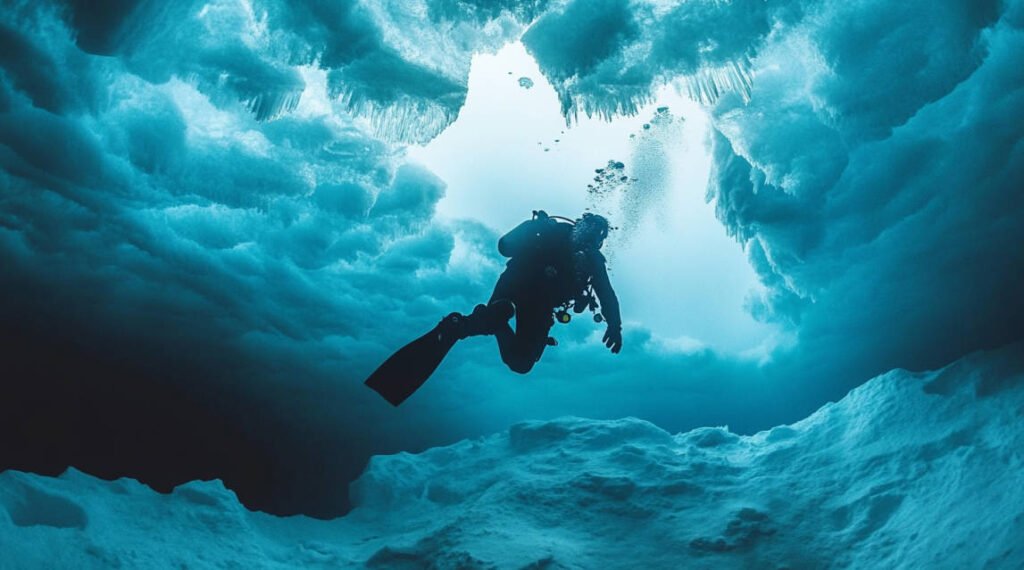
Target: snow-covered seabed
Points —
{"points": [[910, 470]]}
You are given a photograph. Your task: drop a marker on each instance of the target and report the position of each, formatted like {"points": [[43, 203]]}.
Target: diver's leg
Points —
{"points": [[484, 320], [509, 285], [491, 318], [506, 342], [522, 349]]}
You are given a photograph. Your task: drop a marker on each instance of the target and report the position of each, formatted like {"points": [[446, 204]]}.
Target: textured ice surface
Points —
{"points": [[910, 470], [153, 167], [603, 57]]}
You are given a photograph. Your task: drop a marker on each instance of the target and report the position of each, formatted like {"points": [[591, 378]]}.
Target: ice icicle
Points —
{"points": [[708, 84]]}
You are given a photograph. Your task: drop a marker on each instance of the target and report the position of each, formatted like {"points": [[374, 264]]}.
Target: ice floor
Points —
{"points": [[910, 470]]}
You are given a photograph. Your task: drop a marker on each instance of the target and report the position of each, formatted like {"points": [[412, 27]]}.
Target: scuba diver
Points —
{"points": [[555, 267]]}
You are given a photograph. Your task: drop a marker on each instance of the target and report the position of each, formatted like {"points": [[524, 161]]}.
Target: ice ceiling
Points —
{"points": [[213, 260]]}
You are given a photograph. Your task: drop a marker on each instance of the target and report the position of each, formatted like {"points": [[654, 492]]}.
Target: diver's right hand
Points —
{"points": [[613, 339]]}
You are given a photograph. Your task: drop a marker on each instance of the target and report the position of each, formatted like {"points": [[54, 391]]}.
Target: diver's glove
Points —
{"points": [[613, 339]]}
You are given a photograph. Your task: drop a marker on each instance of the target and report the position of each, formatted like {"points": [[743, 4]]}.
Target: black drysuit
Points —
{"points": [[543, 273]]}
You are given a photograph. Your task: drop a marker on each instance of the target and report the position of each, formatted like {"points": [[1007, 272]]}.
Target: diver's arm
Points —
{"points": [[609, 307], [606, 296]]}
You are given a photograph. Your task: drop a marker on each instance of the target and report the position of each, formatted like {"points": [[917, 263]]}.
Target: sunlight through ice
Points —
{"points": [[676, 271]]}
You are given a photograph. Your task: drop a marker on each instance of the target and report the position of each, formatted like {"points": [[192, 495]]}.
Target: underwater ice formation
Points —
{"points": [[846, 174], [604, 57], [212, 196], [910, 470]]}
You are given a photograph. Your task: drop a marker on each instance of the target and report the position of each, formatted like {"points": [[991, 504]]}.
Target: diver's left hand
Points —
{"points": [[613, 339]]}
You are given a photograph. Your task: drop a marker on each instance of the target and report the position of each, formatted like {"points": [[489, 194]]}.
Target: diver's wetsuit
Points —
{"points": [[543, 273]]}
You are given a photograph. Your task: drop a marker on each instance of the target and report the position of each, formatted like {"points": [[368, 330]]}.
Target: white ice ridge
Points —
{"points": [[910, 470]]}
